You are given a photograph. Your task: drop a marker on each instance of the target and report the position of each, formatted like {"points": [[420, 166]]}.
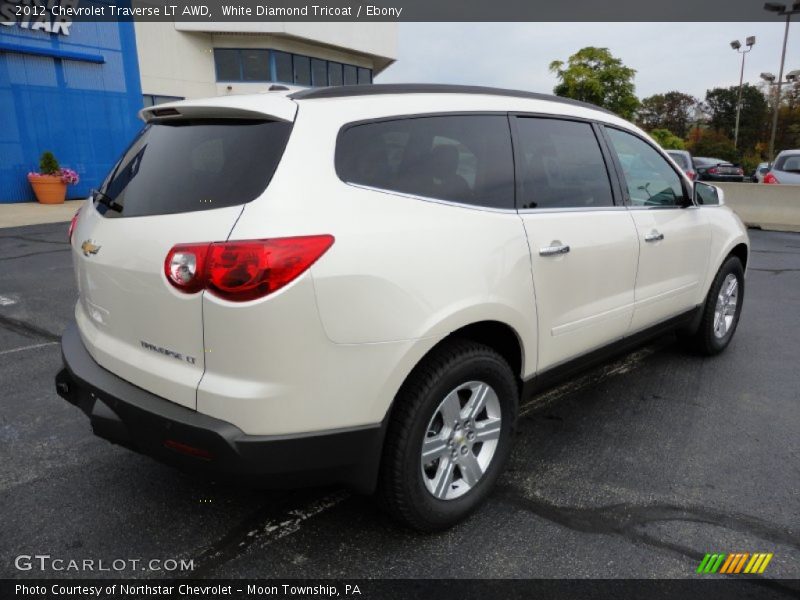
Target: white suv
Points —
{"points": [[359, 284]]}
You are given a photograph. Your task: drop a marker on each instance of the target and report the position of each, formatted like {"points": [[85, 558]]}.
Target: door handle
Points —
{"points": [[653, 236], [554, 250]]}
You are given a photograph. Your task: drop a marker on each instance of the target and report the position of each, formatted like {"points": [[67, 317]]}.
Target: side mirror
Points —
{"points": [[708, 195]]}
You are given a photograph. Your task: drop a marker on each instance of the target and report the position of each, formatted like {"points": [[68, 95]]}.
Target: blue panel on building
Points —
{"points": [[75, 95]]}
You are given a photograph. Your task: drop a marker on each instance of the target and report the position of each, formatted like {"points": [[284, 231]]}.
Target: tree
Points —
{"points": [[594, 75], [753, 118], [667, 140], [674, 111], [711, 143]]}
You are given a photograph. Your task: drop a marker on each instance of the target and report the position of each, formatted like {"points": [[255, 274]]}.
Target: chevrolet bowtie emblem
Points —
{"points": [[89, 247]]}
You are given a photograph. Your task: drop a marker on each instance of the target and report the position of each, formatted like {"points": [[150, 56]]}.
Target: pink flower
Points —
{"points": [[68, 176]]}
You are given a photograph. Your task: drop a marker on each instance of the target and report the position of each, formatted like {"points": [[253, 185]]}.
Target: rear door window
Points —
{"points": [[560, 165], [458, 158], [183, 165]]}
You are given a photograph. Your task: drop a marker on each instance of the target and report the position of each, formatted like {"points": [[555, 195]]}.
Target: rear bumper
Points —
{"points": [[129, 416]]}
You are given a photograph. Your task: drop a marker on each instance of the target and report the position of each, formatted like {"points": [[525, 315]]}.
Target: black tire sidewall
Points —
{"points": [[491, 369], [712, 343]]}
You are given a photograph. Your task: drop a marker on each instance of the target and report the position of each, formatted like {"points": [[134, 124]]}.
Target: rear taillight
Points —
{"points": [[72, 224], [692, 175], [713, 170], [243, 270], [770, 178], [739, 171]]}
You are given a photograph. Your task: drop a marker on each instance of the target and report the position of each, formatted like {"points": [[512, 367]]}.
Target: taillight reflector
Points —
{"points": [[243, 270], [770, 178], [72, 224]]}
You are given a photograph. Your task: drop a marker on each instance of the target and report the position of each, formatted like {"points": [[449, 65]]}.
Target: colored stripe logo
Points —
{"points": [[740, 562]]}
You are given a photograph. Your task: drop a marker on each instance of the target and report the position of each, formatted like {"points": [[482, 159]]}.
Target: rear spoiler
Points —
{"points": [[272, 105]]}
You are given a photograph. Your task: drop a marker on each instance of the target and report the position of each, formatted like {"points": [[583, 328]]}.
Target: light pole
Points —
{"points": [[736, 45], [781, 10]]}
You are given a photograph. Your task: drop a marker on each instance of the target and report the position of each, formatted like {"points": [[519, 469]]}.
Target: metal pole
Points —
{"points": [[739, 105], [778, 92]]}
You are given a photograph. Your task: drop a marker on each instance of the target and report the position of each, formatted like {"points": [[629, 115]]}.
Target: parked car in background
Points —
{"points": [[761, 170], [786, 168], [716, 169], [684, 160]]}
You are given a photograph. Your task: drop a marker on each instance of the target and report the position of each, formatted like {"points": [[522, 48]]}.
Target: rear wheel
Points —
{"points": [[449, 435], [721, 311]]}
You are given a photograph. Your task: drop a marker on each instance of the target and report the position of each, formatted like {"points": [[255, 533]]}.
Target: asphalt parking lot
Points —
{"points": [[637, 469]]}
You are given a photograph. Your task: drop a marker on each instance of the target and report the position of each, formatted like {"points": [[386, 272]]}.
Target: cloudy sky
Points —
{"points": [[689, 57]]}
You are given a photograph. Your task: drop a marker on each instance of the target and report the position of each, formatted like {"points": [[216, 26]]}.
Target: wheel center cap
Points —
{"points": [[459, 437]]}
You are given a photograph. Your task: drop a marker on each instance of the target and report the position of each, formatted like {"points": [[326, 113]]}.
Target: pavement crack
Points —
{"points": [[25, 238], [775, 271], [4, 258], [271, 522], [27, 329]]}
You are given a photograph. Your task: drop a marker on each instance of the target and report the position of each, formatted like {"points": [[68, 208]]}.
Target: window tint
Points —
{"points": [[459, 158], [680, 159], [560, 165], [227, 63], [319, 72], [302, 70], [650, 179], [334, 73], [255, 65], [350, 75], [364, 75], [283, 67], [189, 165], [788, 162]]}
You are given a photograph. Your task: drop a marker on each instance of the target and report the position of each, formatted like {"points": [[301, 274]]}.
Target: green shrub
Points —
{"points": [[48, 165]]}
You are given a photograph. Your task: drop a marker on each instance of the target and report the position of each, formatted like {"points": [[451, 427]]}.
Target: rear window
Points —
{"points": [[183, 165], [460, 158], [788, 162], [680, 159]]}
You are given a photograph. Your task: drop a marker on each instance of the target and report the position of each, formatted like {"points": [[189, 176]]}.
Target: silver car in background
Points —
{"points": [[786, 168]]}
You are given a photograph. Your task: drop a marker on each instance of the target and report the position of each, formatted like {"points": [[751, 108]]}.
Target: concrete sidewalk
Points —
{"points": [[33, 213]]}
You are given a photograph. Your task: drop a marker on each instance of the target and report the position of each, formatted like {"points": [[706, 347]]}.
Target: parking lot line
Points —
{"points": [[23, 348]]}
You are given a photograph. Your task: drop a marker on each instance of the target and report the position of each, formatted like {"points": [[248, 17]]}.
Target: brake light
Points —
{"points": [[713, 170], [692, 175], [770, 178], [739, 171], [243, 270], [72, 224]]}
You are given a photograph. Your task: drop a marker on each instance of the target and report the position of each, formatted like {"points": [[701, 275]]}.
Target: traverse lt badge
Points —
{"points": [[89, 247]]}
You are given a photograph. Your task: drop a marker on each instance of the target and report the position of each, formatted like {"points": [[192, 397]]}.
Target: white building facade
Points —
{"points": [[193, 60]]}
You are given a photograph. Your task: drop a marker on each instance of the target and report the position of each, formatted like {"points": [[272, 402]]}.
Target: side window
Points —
{"points": [[650, 179], [560, 165], [460, 158]]}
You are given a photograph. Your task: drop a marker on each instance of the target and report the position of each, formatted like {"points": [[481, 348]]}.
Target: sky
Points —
{"points": [[688, 57]]}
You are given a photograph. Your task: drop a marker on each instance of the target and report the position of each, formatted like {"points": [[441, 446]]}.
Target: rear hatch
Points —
{"points": [[184, 179]]}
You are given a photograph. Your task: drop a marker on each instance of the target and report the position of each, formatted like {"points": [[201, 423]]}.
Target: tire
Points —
{"points": [[709, 339], [420, 496]]}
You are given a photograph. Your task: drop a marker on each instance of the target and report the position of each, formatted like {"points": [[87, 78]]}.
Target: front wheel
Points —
{"points": [[449, 435], [722, 309]]}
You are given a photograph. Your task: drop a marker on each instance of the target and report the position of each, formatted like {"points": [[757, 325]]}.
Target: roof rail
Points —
{"points": [[345, 91]]}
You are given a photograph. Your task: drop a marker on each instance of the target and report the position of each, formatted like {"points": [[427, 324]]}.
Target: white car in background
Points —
{"points": [[785, 169], [359, 284]]}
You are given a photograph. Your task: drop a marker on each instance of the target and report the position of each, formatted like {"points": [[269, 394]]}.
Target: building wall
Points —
{"points": [[75, 95], [177, 59]]}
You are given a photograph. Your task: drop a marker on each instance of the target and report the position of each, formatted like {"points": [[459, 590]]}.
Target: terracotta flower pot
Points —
{"points": [[49, 189]]}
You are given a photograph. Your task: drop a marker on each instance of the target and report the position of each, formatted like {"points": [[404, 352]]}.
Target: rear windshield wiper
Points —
{"points": [[106, 200]]}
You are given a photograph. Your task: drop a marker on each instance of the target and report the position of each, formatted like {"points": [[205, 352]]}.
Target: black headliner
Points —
{"points": [[345, 91]]}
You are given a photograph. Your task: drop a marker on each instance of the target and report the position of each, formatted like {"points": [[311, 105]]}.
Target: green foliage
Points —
{"points": [[754, 118], [750, 162], [711, 143], [667, 140], [673, 110], [594, 75], [48, 165]]}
